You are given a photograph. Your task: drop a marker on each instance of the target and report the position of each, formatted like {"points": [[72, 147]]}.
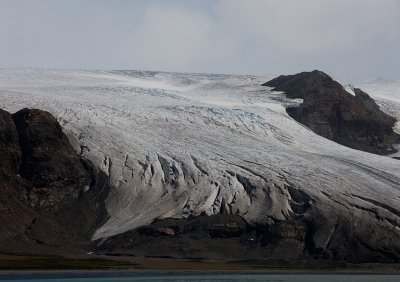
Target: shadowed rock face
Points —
{"points": [[48, 161], [49, 199], [222, 236], [9, 147], [330, 111], [314, 235]]}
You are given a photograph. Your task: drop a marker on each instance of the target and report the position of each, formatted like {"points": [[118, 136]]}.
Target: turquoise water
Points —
{"points": [[198, 278]]}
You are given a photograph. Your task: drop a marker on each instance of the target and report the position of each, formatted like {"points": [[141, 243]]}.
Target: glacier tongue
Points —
{"points": [[176, 145]]}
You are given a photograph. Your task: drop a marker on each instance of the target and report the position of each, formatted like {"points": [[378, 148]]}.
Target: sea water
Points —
{"points": [[196, 278]]}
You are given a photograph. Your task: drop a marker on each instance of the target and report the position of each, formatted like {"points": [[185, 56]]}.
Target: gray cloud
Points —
{"points": [[352, 40]]}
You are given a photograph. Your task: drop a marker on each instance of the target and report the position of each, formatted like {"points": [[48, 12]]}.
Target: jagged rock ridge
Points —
{"points": [[330, 111]]}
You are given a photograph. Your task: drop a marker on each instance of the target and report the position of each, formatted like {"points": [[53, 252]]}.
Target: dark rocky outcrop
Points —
{"points": [[316, 234], [330, 111], [50, 200], [9, 143], [48, 161], [222, 236]]}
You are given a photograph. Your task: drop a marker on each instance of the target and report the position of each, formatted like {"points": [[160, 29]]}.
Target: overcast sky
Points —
{"points": [[352, 40]]}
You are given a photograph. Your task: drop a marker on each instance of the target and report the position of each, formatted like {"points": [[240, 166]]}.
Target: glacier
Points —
{"points": [[180, 145]]}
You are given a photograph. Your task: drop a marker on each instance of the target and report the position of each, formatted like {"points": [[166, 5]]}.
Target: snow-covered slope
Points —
{"points": [[176, 145]]}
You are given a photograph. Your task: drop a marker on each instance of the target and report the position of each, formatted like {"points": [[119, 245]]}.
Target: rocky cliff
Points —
{"points": [[49, 199], [329, 110]]}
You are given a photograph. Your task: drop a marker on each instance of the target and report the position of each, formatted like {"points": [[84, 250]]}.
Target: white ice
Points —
{"points": [[176, 145]]}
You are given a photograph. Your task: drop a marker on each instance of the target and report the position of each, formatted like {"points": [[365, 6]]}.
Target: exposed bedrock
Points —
{"points": [[49, 199], [329, 110], [314, 230]]}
